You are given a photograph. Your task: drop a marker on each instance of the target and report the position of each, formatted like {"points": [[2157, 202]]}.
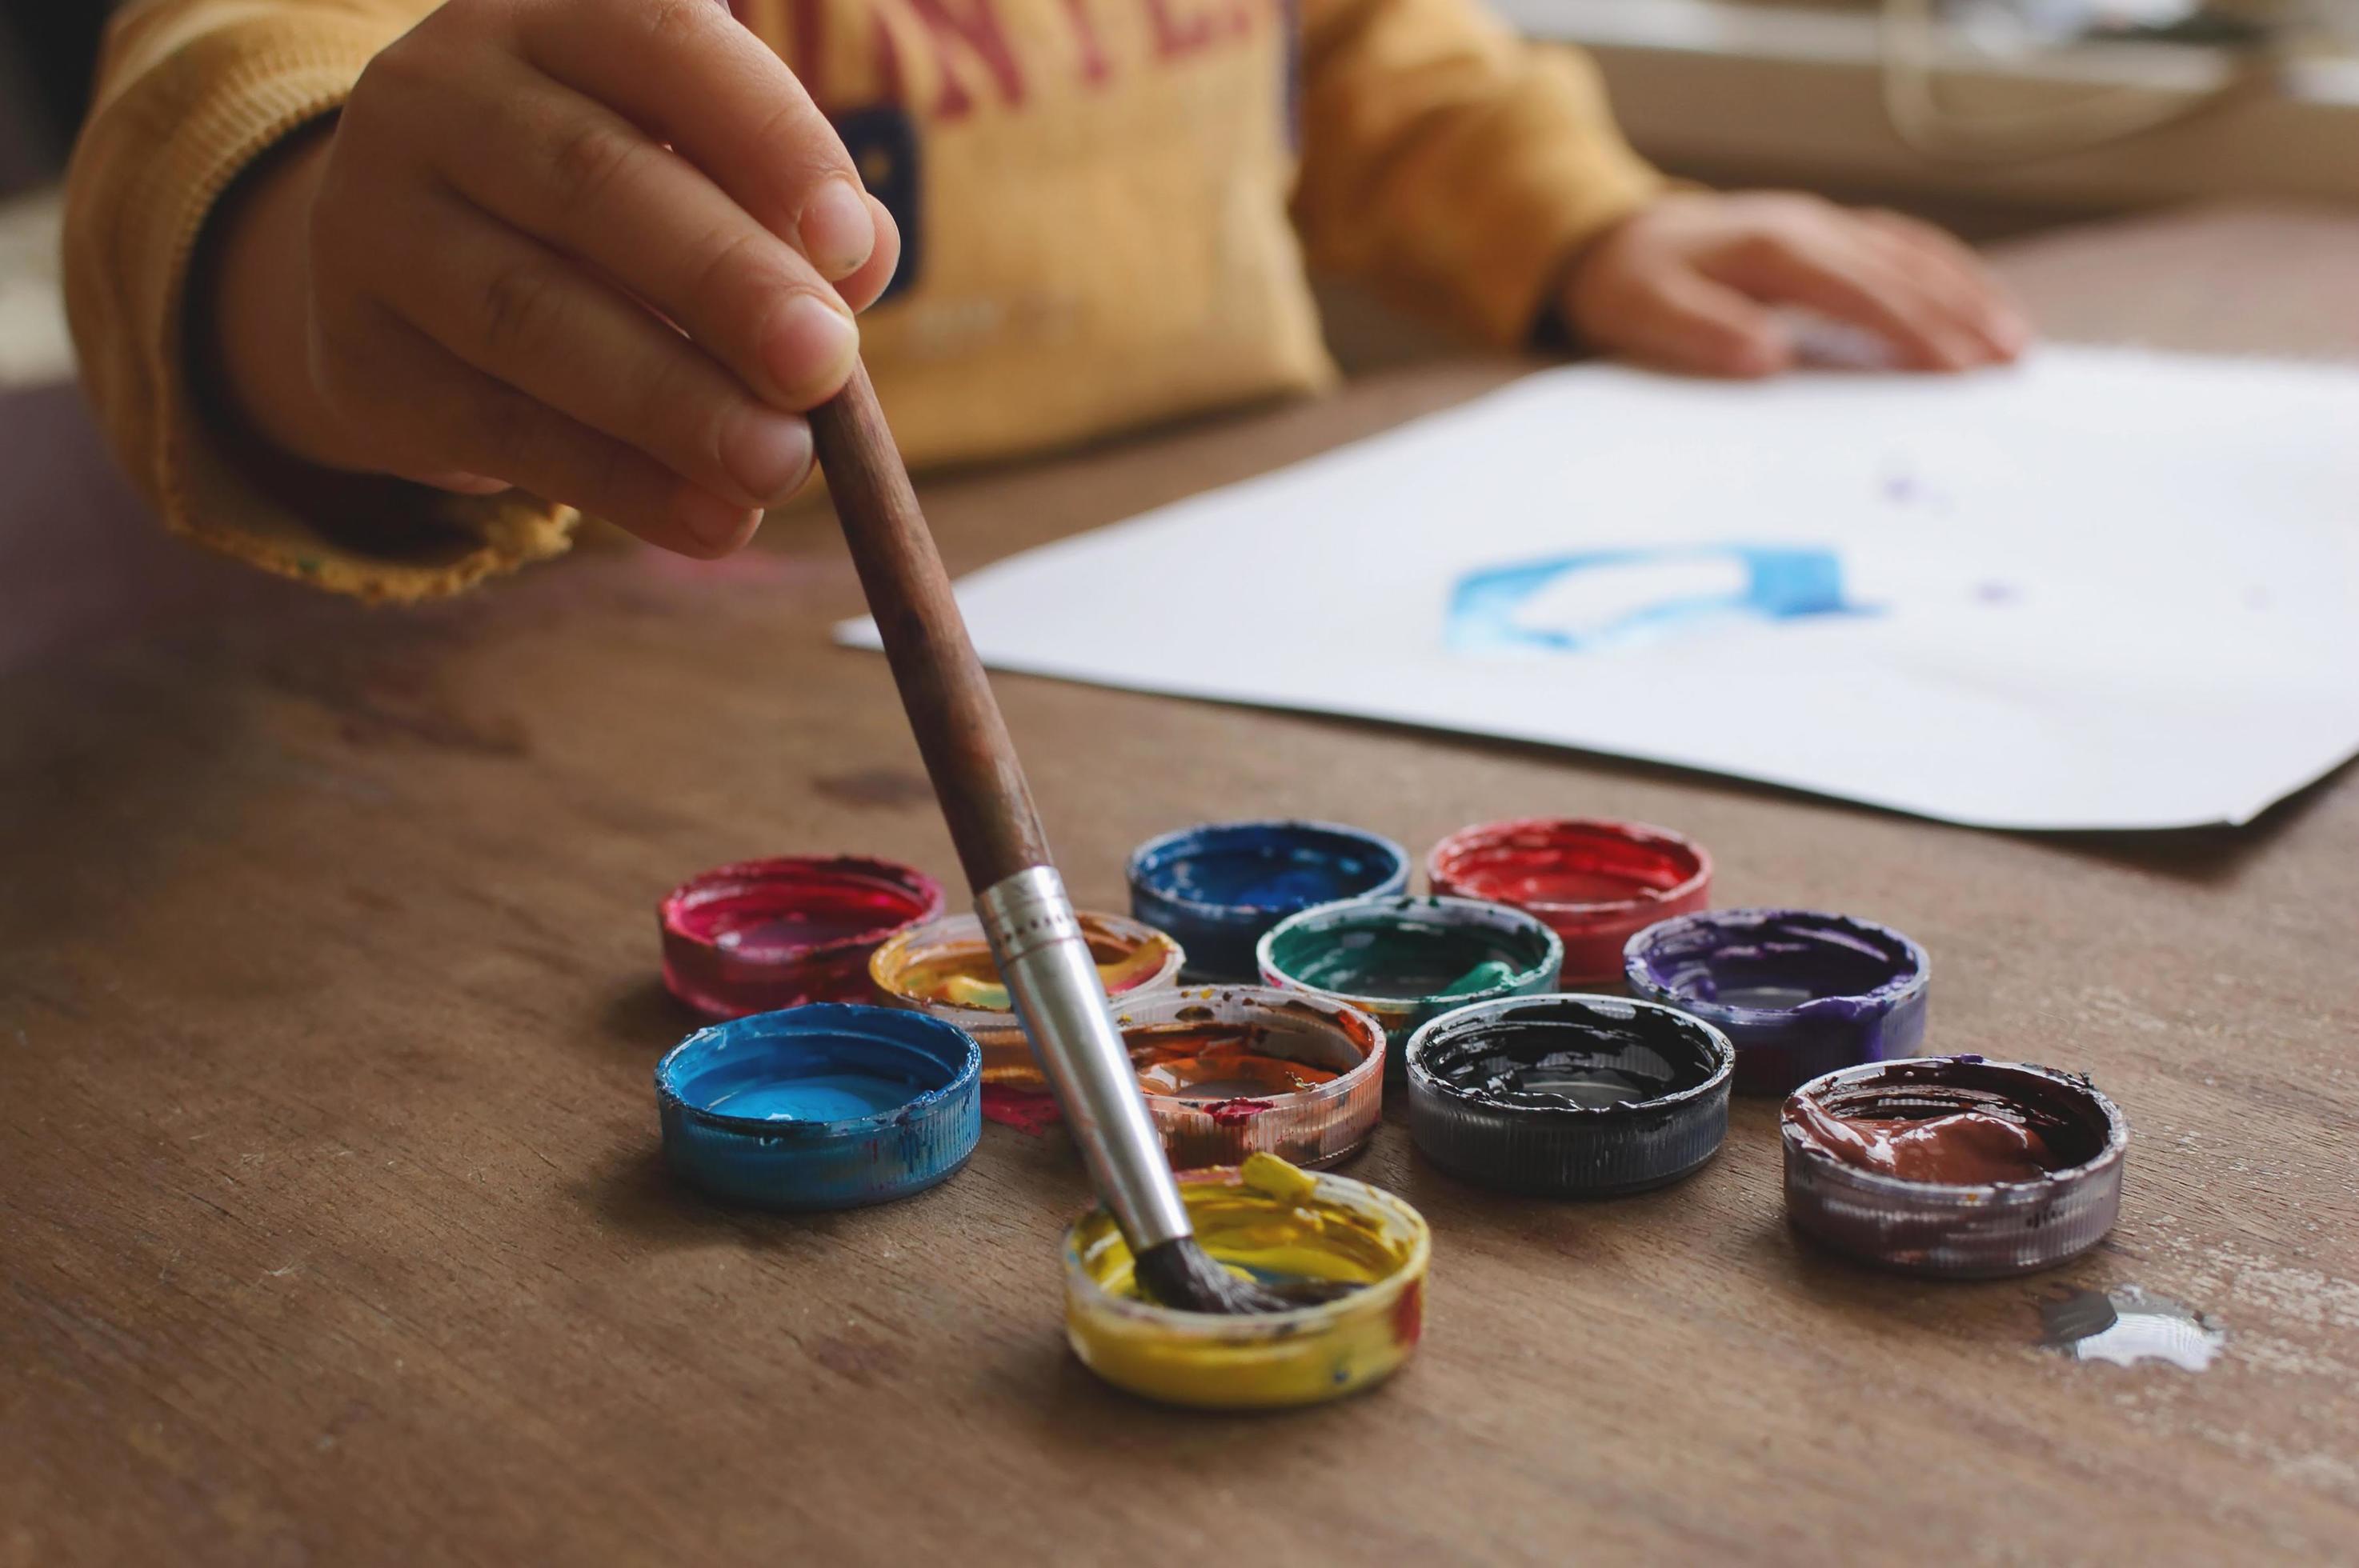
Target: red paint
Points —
{"points": [[1029, 1111], [1408, 1315], [1597, 883], [763, 934], [1235, 1112]]}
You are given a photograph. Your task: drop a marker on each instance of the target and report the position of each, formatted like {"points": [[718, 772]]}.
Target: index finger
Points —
{"points": [[686, 74]]}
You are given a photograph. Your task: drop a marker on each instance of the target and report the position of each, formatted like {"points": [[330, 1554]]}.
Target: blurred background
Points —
{"points": [[1995, 117], [2003, 114]]}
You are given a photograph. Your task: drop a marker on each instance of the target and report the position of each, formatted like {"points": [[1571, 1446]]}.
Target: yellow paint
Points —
{"points": [[1270, 1175], [1273, 1220]]}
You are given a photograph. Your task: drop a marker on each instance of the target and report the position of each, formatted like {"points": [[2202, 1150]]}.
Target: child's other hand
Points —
{"points": [[1689, 283], [606, 250]]}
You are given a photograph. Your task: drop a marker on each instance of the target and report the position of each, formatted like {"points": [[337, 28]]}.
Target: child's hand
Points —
{"points": [[1687, 284], [496, 270]]}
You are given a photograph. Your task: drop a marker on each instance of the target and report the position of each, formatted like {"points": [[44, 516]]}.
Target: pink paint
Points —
{"points": [[765, 934]]}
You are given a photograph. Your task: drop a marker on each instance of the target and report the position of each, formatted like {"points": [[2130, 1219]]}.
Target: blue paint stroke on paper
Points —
{"points": [[1782, 583]]}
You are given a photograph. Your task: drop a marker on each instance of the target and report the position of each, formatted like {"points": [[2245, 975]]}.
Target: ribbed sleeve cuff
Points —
{"points": [[163, 147], [1548, 195]]}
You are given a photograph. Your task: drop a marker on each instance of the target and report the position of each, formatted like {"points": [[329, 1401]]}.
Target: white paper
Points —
{"points": [[2105, 589]]}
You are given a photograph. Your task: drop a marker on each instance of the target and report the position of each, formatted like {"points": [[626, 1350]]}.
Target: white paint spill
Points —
{"points": [[2126, 1325]]}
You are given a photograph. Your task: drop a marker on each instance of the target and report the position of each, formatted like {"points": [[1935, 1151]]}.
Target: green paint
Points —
{"points": [[1381, 953], [1481, 978]]}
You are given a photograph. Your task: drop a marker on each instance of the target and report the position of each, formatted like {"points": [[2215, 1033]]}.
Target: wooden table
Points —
{"points": [[332, 1229]]}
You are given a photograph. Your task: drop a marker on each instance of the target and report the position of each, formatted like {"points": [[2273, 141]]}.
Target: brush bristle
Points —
{"points": [[1182, 1275]]}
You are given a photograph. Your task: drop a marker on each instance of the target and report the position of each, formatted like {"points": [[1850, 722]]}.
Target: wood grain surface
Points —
{"points": [[332, 1229]]}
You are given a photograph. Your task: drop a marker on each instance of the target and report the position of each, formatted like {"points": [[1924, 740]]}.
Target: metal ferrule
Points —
{"points": [[1053, 981]]}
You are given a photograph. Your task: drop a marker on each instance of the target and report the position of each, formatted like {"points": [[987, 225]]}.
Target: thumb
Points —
{"points": [[1689, 322]]}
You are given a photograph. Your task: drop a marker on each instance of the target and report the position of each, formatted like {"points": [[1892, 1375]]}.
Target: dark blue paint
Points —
{"points": [[828, 1106], [1782, 583], [1797, 992], [1215, 888]]}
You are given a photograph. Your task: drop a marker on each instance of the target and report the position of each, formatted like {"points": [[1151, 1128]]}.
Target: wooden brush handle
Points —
{"points": [[963, 739]]}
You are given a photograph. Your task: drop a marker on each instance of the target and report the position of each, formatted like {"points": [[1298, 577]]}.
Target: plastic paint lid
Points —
{"points": [[944, 968], [1272, 1220], [1403, 961], [1595, 882], [1797, 992], [1230, 1071], [763, 934], [1568, 1096], [1216, 887], [1958, 1230], [827, 1105]]}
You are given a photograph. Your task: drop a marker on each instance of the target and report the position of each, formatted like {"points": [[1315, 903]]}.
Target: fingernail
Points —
{"points": [[837, 232], [1752, 356], [810, 347], [713, 522], [767, 454]]}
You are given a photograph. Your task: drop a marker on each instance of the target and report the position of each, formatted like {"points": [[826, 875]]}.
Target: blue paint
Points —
{"points": [[1215, 888], [1782, 583], [822, 1096], [1798, 993], [827, 1105]]}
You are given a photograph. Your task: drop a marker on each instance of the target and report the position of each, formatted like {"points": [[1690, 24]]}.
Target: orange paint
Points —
{"points": [[1215, 1062]]}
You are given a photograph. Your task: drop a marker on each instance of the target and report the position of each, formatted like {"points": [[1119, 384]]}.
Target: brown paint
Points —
{"points": [[1968, 1148]]}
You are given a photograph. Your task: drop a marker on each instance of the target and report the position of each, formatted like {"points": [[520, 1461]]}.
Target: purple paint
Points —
{"points": [[1797, 992]]}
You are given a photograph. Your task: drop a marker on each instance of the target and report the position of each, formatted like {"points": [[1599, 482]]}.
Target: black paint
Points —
{"points": [[1569, 1093]]}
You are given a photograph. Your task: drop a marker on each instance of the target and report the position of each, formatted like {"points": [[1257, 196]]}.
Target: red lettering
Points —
{"points": [[807, 46], [890, 86], [978, 34], [1085, 37], [1176, 36]]}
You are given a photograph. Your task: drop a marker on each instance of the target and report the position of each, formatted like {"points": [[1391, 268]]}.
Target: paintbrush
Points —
{"points": [[1050, 975]]}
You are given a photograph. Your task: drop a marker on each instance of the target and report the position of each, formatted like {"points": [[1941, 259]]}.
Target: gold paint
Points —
{"points": [[958, 969]]}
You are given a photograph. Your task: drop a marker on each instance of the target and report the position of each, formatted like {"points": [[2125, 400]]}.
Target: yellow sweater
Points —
{"points": [[1106, 205]]}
